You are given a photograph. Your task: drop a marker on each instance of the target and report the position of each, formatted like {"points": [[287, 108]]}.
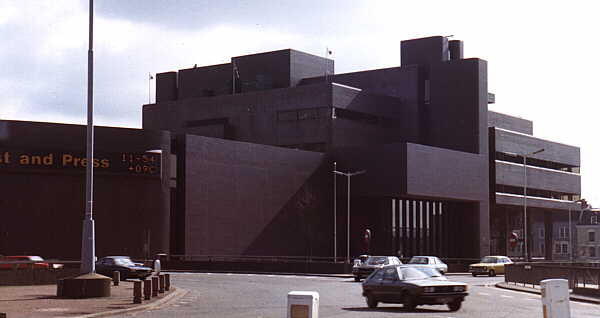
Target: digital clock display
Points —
{"points": [[142, 163]]}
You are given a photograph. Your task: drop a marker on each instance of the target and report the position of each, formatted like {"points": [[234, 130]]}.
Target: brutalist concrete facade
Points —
{"points": [[419, 131]]}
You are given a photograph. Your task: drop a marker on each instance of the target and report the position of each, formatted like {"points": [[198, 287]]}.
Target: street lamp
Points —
{"points": [[88, 245], [347, 174], [525, 155]]}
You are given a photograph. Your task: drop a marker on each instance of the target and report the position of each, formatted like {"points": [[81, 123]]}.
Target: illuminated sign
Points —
{"points": [[130, 163]]}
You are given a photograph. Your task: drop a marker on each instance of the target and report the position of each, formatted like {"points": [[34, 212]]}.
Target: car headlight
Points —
{"points": [[459, 288], [429, 289]]}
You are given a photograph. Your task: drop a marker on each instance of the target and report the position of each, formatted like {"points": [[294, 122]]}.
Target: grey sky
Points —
{"points": [[542, 55]]}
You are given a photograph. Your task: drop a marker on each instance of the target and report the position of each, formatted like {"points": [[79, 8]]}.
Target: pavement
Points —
{"points": [[41, 301], [535, 289]]}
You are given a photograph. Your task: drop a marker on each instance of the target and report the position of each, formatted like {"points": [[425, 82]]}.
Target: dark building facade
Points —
{"points": [[42, 179], [248, 150]]}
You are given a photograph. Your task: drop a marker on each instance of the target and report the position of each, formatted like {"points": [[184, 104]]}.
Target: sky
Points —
{"points": [[542, 56]]}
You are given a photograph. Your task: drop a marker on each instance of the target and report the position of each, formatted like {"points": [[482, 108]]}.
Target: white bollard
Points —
{"points": [[156, 267], [303, 304], [555, 298]]}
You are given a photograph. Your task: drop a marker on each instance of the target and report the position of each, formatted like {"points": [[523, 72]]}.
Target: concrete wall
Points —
{"points": [[249, 199], [511, 123], [456, 117], [512, 142], [508, 173]]}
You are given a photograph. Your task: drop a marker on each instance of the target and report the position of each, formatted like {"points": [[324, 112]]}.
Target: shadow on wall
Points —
{"points": [[300, 228]]}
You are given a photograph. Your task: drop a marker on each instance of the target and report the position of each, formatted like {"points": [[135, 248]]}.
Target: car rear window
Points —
{"points": [[377, 260], [409, 273], [488, 259], [418, 260]]}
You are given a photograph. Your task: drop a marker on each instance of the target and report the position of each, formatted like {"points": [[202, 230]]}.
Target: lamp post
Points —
{"points": [[524, 155], [348, 174], [88, 246], [526, 254]]}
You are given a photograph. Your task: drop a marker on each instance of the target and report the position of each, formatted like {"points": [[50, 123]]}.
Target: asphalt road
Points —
{"points": [[249, 295]]}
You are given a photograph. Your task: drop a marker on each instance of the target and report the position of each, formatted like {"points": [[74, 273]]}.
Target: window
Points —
{"points": [[541, 231], [592, 236], [594, 219], [542, 249], [557, 248], [565, 248], [563, 232], [592, 251]]}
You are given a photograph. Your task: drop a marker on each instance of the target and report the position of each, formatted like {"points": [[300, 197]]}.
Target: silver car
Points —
{"points": [[429, 261], [364, 269]]}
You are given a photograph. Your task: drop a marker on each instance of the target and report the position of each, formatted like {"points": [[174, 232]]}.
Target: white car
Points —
{"points": [[429, 261]]}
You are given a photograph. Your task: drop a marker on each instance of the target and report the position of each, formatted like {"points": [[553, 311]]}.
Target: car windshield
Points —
{"points": [[431, 272], [376, 260], [489, 259], [124, 261], [36, 258], [409, 273], [418, 260]]}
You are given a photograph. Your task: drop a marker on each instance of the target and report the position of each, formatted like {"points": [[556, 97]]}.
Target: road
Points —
{"points": [[250, 295]]}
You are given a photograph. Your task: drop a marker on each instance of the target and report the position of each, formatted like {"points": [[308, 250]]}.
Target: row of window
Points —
{"points": [[502, 188], [537, 163], [563, 232]]}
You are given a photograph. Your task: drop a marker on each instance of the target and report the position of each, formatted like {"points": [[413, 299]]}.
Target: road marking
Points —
{"points": [[506, 296], [484, 294]]}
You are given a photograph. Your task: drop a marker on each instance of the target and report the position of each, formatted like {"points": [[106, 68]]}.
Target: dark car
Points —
{"points": [[411, 287], [364, 269], [124, 265]]}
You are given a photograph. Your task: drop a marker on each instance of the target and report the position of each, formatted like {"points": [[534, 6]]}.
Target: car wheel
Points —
{"points": [[356, 279], [410, 303], [371, 301], [492, 273], [474, 275], [455, 305]]}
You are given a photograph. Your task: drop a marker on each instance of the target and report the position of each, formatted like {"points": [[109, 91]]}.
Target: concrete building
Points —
{"points": [[248, 169]]}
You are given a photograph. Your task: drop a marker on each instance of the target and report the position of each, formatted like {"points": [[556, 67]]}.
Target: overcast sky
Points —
{"points": [[542, 55]]}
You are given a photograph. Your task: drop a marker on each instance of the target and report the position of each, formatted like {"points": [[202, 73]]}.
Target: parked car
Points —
{"points": [[490, 265], [124, 265], [429, 261], [364, 269], [39, 262], [430, 271], [401, 284]]}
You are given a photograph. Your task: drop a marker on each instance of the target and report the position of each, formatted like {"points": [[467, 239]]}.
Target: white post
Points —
{"points": [[348, 230], [555, 298], [334, 213], [526, 256]]}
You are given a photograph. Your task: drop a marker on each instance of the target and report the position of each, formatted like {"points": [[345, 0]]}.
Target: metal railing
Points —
{"points": [[579, 275]]}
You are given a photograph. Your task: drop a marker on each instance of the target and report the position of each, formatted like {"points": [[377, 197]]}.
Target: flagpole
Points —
{"points": [[326, 55], [149, 84]]}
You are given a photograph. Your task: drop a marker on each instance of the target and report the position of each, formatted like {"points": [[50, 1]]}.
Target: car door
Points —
{"points": [[391, 288], [373, 283], [500, 266]]}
